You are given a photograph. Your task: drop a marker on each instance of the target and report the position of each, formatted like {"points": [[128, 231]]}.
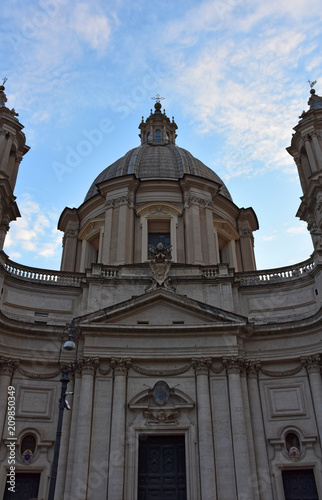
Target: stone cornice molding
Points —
{"points": [[201, 365], [8, 365], [312, 363], [121, 365]]}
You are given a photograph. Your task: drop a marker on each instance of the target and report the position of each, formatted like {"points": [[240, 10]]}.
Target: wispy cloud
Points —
{"points": [[35, 232], [295, 231]]}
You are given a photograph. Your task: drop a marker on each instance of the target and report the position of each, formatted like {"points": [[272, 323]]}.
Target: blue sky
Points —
{"points": [[233, 73]]}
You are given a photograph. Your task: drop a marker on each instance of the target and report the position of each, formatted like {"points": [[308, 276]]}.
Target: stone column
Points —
{"points": [[4, 228], [313, 367], [72, 436], [225, 476], [63, 463], [210, 230], [117, 446], [193, 230], [70, 247], [240, 446], [98, 467], [7, 367], [309, 152], [249, 432], [260, 443], [106, 252], [317, 149], [84, 427], [206, 440], [5, 156], [14, 170], [122, 229]]}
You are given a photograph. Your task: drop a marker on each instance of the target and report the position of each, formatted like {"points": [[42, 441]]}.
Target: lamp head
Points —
{"points": [[69, 345]]}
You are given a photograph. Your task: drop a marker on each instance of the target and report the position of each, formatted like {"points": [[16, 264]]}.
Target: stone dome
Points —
{"points": [[159, 161]]}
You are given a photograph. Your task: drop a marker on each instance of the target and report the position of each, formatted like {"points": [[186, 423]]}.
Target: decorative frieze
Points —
{"points": [[161, 373]]}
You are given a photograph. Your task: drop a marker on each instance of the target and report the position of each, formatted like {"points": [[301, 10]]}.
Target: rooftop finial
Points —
{"points": [[312, 91], [157, 105], [158, 98], [4, 80]]}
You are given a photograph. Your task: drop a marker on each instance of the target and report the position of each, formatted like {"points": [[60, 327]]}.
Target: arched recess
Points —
{"points": [[91, 235], [226, 237], [165, 214]]}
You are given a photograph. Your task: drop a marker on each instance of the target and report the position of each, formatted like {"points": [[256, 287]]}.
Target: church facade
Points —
{"points": [[197, 377]]}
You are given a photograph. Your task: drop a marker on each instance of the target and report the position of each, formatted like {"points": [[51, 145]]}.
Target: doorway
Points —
{"points": [[26, 487], [299, 484], [162, 468]]}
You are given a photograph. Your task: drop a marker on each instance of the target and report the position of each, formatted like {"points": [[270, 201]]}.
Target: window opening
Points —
{"points": [[158, 136], [159, 232]]}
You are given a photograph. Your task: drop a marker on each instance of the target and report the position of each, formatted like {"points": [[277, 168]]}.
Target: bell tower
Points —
{"points": [[12, 148], [306, 149]]}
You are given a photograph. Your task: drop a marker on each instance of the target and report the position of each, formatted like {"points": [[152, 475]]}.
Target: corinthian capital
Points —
{"points": [[235, 365], [8, 365], [201, 365], [312, 363], [252, 368], [121, 365], [87, 365]]}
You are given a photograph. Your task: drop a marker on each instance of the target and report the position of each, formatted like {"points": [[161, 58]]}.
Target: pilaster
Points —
{"points": [[234, 366], [313, 367], [260, 444], [87, 366], [117, 446], [206, 440]]}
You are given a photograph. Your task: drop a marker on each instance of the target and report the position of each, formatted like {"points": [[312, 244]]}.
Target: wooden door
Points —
{"points": [[162, 468], [299, 485]]}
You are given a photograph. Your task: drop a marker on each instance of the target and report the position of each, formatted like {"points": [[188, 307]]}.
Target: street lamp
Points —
{"points": [[72, 333]]}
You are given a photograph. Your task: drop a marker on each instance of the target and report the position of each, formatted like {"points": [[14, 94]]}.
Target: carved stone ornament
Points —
{"points": [[121, 365], [8, 365], [160, 266], [161, 416], [234, 365]]}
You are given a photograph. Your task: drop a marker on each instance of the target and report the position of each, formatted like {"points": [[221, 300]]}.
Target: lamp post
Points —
{"points": [[71, 344]]}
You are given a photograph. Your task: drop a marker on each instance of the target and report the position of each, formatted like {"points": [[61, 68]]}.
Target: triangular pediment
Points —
{"points": [[163, 308]]}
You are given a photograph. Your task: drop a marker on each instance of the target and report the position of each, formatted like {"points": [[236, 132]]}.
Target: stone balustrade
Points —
{"points": [[275, 275], [244, 279]]}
